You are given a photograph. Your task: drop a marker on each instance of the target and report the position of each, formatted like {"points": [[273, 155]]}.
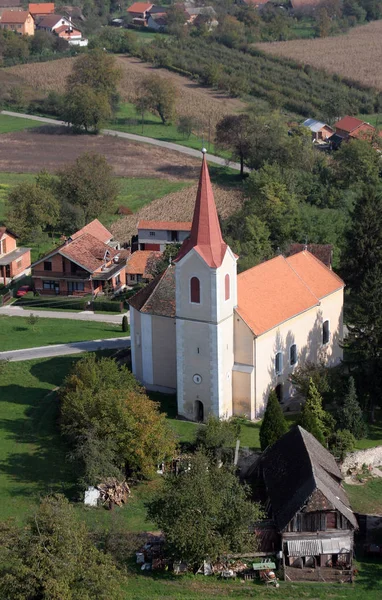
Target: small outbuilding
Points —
{"points": [[321, 132]]}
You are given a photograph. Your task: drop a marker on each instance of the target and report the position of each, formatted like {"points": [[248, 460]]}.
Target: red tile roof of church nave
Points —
{"points": [[282, 288]]}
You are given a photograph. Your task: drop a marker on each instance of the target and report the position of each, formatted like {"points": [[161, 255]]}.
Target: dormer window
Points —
{"points": [[227, 287], [195, 290]]}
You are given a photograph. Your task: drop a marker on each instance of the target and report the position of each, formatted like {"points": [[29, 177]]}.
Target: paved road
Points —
{"points": [[17, 311], [217, 160], [65, 349]]}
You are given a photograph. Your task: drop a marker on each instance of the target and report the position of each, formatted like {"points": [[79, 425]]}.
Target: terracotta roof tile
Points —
{"points": [[41, 8], [139, 7], [165, 225], [137, 263], [281, 288], [88, 252], [324, 252], [158, 297], [348, 124], [14, 16], [96, 229]]}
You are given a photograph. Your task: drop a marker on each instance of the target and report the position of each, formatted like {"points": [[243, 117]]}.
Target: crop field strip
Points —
{"points": [[356, 55]]}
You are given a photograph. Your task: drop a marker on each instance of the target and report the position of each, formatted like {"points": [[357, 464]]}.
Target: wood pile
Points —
{"points": [[114, 492]]}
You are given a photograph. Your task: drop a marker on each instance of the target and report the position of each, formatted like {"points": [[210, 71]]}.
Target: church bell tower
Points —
{"points": [[206, 295]]}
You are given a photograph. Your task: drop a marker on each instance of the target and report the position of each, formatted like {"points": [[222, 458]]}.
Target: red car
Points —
{"points": [[24, 289]]}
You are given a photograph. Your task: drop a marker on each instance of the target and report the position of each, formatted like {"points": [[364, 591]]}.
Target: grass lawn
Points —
{"points": [[16, 333], [374, 119], [366, 498], [9, 124], [374, 436], [129, 121]]}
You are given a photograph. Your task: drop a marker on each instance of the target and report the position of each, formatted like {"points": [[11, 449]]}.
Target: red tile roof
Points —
{"points": [[282, 288], [206, 237], [348, 124], [166, 225], [96, 229], [66, 29], [41, 8], [363, 132], [14, 16], [50, 21], [324, 252], [137, 263], [139, 7], [88, 252]]}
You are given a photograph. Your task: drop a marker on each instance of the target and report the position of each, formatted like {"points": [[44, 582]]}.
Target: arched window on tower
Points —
{"points": [[195, 290], [227, 286]]}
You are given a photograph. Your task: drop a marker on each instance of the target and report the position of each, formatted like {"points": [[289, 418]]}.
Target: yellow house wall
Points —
{"points": [[29, 26], [305, 330]]}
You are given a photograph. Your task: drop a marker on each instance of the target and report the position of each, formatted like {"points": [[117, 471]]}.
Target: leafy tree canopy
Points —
{"points": [[157, 95]]}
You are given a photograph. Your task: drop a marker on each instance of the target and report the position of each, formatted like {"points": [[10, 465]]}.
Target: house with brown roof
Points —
{"points": [[353, 128], [155, 235], [63, 27], [20, 21], [14, 262], [139, 11], [41, 8], [137, 266], [84, 264], [301, 486], [224, 341]]}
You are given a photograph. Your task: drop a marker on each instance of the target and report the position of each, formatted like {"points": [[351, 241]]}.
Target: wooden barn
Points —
{"points": [[305, 499]]}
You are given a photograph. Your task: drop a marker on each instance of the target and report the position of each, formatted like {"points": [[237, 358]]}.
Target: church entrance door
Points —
{"points": [[279, 392], [199, 411]]}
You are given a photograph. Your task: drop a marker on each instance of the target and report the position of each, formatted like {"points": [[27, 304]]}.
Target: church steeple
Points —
{"points": [[206, 236]]}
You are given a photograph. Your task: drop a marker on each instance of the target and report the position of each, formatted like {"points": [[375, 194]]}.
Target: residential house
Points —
{"points": [[195, 11], [305, 499], [157, 18], [351, 127], [320, 131], [224, 341], [63, 27], [84, 264], [14, 262], [136, 267], [139, 12], [155, 235], [20, 21], [41, 9]]}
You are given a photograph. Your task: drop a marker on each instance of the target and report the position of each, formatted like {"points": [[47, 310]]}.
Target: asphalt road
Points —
{"points": [[217, 160], [65, 349], [16, 311]]}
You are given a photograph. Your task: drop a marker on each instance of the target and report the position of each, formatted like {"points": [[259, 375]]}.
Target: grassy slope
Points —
{"points": [[366, 498], [9, 124], [129, 121], [374, 436], [15, 332]]}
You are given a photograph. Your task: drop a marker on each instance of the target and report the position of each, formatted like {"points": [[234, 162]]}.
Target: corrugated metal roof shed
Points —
{"points": [[314, 125]]}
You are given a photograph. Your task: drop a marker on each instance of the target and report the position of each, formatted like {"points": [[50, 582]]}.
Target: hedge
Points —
{"points": [[53, 302], [108, 305]]}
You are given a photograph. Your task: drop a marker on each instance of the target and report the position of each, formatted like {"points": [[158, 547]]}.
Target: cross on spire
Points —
{"points": [[206, 236]]}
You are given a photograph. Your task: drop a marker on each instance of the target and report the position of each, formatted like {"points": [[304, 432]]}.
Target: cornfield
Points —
{"points": [[192, 99], [356, 55], [178, 206]]}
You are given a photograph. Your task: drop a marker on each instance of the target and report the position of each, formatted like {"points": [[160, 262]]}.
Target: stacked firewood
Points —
{"points": [[114, 492]]}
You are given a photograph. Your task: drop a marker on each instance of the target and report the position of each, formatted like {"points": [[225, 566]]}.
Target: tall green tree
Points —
{"points": [[313, 417], [204, 512], [349, 414], [89, 184], [85, 108], [31, 208], [97, 70], [218, 436], [249, 237], [157, 95], [273, 425], [52, 558], [233, 133]]}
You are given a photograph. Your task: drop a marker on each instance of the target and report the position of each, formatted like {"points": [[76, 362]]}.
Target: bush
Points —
{"points": [[125, 325], [108, 305], [341, 443]]}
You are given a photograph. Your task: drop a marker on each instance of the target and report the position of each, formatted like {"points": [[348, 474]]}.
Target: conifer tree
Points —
{"points": [[313, 417], [349, 416], [310, 422], [273, 425]]}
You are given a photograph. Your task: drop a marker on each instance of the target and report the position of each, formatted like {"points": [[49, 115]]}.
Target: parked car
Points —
{"points": [[24, 289]]}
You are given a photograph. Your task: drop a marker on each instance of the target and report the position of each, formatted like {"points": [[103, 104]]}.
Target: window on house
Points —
{"points": [[293, 355], [152, 234], [117, 280], [49, 285], [278, 363], [325, 332], [227, 286], [331, 520], [195, 290], [47, 265], [18, 264], [76, 286]]}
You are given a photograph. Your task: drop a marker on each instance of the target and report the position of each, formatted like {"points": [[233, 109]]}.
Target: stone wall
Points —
{"points": [[370, 457]]}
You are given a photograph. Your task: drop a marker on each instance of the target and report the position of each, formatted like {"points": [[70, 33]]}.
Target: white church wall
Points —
{"points": [[192, 265], [164, 351], [224, 308], [225, 365], [243, 384], [147, 348], [136, 343], [243, 342], [304, 330]]}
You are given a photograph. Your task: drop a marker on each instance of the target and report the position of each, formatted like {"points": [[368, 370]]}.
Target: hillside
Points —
{"points": [[356, 55]]}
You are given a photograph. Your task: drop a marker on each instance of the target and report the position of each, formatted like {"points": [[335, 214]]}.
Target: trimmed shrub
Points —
{"points": [[108, 305], [125, 325]]}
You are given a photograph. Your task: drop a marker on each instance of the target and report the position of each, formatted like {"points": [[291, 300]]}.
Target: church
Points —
{"points": [[221, 341]]}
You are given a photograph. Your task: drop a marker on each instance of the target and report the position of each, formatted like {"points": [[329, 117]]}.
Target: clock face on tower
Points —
{"points": [[197, 378]]}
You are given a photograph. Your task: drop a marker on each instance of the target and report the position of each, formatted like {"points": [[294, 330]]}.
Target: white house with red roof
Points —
{"points": [[224, 341], [155, 235]]}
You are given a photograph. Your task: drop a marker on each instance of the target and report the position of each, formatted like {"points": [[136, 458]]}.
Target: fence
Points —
{"points": [[4, 299]]}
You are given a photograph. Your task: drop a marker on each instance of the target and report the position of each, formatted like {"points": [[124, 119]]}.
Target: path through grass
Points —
{"points": [[16, 332]]}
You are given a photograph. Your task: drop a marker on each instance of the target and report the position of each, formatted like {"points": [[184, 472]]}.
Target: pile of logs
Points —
{"points": [[114, 492]]}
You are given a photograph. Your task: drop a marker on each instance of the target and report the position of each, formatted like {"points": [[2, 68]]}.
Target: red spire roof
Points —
{"points": [[206, 236]]}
